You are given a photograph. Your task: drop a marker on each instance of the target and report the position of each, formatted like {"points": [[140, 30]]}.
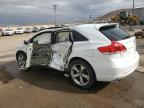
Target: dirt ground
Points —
{"points": [[46, 88]]}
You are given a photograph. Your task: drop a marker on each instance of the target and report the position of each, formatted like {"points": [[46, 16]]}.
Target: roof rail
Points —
{"points": [[50, 28]]}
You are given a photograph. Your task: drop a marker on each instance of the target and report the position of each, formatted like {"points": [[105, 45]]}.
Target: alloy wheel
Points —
{"points": [[21, 61], [80, 74]]}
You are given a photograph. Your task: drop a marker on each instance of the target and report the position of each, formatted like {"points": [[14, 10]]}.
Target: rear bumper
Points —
{"points": [[117, 69], [119, 73]]}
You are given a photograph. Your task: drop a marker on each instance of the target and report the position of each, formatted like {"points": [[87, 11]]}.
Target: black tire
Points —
{"points": [[22, 68], [88, 69]]}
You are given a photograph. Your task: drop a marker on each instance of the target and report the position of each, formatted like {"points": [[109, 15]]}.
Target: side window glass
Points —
{"points": [[44, 38], [78, 37], [62, 36]]}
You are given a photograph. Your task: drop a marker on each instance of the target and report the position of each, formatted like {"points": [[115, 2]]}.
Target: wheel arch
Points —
{"points": [[82, 59]]}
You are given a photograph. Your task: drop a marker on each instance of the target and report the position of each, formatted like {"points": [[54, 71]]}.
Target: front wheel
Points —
{"points": [[21, 59], [81, 74]]}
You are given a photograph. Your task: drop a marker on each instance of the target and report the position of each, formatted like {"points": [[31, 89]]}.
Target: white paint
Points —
{"points": [[89, 53], [59, 56]]}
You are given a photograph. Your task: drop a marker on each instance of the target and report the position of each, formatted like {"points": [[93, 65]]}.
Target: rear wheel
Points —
{"points": [[21, 59], [81, 74]]}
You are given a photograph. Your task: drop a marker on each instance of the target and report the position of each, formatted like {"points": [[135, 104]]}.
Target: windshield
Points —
{"points": [[27, 28], [113, 33], [19, 28]]}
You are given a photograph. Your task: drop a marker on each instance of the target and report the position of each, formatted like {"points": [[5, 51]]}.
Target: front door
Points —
{"points": [[41, 51]]}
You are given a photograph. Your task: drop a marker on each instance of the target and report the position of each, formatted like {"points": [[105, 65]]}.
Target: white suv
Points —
{"points": [[88, 52], [7, 32], [19, 31]]}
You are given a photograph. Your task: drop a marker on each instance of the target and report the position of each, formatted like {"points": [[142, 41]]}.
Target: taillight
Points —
{"points": [[115, 47]]}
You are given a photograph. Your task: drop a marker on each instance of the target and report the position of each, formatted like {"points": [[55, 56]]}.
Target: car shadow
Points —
{"points": [[48, 79]]}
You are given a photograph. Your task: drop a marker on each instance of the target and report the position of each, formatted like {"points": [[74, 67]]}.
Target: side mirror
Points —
{"points": [[25, 42], [35, 42]]}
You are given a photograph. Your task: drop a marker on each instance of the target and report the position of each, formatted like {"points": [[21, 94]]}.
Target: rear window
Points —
{"points": [[78, 36], [113, 33]]}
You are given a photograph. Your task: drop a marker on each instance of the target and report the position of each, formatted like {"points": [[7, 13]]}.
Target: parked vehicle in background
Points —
{"points": [[7, 32], [42, 28], [27, 30], [35, 29], [139, 33], [0, 29], [125, 18], [19, 31], [87, 53]]}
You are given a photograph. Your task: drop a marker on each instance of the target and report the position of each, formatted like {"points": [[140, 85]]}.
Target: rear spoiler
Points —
{"points": [[113, 24]]}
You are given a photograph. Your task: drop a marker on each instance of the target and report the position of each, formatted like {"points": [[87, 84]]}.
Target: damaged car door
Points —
{"points": [[62, 49], [42, 50]]}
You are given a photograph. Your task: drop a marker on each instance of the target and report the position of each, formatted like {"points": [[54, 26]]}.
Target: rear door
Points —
{"points": [[62, 49]]}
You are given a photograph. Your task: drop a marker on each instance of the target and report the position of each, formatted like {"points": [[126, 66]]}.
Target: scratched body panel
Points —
{"points": [[41, 54]]}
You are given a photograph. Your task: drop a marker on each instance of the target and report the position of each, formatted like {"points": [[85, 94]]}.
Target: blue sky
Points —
{"points": [[41, 11]]}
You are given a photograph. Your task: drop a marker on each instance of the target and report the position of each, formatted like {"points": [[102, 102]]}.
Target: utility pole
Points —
{"points": [[55, 9], [91, 17], [133, 8]]}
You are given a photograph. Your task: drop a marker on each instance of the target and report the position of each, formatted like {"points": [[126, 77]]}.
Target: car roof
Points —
{"points": [[96, 26], [88, 30], [53, 29]]}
